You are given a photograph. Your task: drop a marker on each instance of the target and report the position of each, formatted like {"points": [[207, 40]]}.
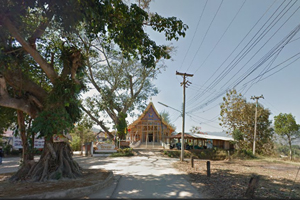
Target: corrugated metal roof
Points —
{"points": [[213, 137]]}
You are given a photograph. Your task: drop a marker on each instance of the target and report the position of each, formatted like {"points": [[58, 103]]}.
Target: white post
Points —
{"points": [[92, 149]]}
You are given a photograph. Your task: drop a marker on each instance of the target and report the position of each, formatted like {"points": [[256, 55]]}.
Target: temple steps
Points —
{"points": [[149, 145]]}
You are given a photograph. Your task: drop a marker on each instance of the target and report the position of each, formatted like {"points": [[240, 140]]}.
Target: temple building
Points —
{"points": [[150, 129]]}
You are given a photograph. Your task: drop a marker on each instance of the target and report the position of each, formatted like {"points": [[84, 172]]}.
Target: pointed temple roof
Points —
{"points": [[150, 113]]}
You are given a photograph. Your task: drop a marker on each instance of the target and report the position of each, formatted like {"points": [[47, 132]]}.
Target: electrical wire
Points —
{"points": [[272, 51], [220, 37], [250, 48], [267, 57], [193, 35], [205, 35], [199, 95]]}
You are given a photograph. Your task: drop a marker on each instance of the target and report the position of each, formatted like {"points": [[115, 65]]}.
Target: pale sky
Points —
{"points": [[230, 43], [250, 45]]}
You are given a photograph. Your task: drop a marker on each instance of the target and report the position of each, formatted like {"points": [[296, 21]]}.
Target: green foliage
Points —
{"points": [[121, 125], [196, 130], [51, 122], [58, 175], [80, 134], [213, 154], [238, 115], [14, 152], [243, 154], [124, 26], [122, 86], [76, 143], [166, 117], [123, 152], [62, 109], [8, 117], [285, 125], [238, 135], [46, 74], [7, 149], [284, 150]]}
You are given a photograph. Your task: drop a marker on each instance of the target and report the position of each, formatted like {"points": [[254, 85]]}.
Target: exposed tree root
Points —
{"points": [[56, 162]]}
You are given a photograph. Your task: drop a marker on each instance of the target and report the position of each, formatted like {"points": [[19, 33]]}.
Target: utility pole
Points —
{"points": [[254, 139], [184, 83]]}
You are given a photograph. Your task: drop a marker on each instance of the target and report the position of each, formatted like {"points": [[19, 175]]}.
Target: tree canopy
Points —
{"points": [[238, 117], [166, 117], [42, 66], [120, 85], [286, 126]]}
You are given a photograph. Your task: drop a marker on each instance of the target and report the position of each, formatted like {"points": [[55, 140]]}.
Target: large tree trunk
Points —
{"points": [[56, 162]]}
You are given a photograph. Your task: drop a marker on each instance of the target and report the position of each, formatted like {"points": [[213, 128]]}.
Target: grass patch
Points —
{"points": [[123, 152], [213, 154], [243, 154]]}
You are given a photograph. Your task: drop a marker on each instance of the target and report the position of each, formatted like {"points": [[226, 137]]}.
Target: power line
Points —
{"points": [[278, 47], [220, 37], [248, 49], [193, 35], [203, 123], [273, 69], [271, 53], [205, 35], [200, 94]]}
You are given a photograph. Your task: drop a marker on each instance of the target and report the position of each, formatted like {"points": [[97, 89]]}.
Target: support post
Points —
{"points": [[192, 161], [208, 168], [253, 183], [86, 149], [254, 138], [184, 83], [92, 149]]}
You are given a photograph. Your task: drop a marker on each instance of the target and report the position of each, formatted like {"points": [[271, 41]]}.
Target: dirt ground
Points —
{"points": [[14, 190], [230, 179]]}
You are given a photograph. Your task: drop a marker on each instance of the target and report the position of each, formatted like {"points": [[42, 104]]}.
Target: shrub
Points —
{"points": [[213, 154], [244, 154], [123, 152], [7, 149], [15, 152]]}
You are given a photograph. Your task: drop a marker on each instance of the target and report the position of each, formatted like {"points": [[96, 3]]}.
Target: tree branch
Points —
{"points": [[39, 31], [19, 81], [100, 123], [47, 68], [18, 104]]}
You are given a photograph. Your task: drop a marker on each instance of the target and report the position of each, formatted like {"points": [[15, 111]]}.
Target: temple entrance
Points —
{"points": [[149, 128], [150, 137]]}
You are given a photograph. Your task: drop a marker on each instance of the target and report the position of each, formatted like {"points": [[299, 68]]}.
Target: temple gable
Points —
{"points": [[150, 114]]}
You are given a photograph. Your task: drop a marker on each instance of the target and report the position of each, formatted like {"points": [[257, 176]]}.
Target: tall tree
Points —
{"points": [[39, 60], [121, 85], [166, 117], [237, 116], [286, 126], [81, 134], [196, 130]]}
